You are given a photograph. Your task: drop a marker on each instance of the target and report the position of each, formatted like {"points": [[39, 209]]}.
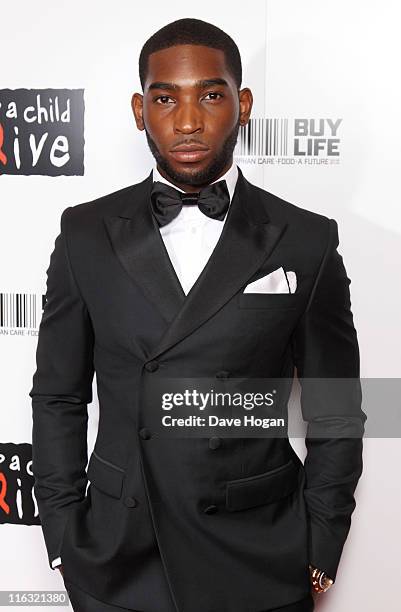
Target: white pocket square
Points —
{"points": [[277, 281]]}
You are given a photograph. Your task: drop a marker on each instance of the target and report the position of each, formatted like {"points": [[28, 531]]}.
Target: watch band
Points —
{"points": [[320, 580]]}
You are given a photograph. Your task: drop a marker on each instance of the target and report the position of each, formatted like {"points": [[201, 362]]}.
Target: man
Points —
{"points": [[156, 280]]}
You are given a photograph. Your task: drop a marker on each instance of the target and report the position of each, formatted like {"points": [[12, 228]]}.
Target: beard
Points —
{"points": [[201, 177]]}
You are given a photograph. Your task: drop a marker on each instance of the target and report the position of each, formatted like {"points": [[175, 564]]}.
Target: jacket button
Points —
{"points": [[131, 502], [222, 374], [214, 442], [210, 509], [145, 433], [151, 366]]}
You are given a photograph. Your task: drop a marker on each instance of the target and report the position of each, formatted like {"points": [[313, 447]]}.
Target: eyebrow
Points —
{"points": [[200, 83]]}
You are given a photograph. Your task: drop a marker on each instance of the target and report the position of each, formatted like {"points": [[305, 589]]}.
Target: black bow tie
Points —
{"points": [[167, 201]]}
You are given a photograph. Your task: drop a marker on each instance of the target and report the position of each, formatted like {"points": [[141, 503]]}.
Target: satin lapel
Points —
{"points": [[139, 246], [247, 239]]}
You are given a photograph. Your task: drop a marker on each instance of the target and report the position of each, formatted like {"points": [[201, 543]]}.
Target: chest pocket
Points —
{"points": [[282, 301]]}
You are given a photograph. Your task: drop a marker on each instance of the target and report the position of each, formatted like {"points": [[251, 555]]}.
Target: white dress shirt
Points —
{"points": [[191, 236], [190, 239]]}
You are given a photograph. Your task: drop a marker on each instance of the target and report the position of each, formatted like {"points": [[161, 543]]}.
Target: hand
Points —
{"points": [[319, 579], [60, 567]]}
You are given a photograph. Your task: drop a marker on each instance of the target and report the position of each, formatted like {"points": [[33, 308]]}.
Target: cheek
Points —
{"points": [[223, 123], [160, 129], [155, 117]]}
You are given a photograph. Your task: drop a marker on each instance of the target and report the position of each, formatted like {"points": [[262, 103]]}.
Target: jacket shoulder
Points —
{"points": [[107, 204], [103, 202], [308, 231], [284, 209]]}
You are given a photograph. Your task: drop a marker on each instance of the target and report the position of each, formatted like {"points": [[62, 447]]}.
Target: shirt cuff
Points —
{"points": [[56, 562]]}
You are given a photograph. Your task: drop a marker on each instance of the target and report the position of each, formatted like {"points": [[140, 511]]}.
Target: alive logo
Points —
{"points": [[42, 131], [18, 503]]}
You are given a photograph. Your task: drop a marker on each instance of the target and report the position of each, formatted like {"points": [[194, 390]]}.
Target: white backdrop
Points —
{"points": [[307, 59]]}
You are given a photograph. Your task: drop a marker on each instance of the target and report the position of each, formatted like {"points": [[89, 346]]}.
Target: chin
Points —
{"points": [[190, 169], [187, 173]]}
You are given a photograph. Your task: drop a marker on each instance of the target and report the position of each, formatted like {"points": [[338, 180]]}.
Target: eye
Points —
{"points": [[215, 93], [162, 99]]}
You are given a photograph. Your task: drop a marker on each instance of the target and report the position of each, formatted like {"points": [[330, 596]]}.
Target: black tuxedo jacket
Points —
{"points": [[237, 520]]}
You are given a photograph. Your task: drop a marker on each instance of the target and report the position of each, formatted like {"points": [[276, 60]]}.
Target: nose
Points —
{"points": [[188, 119]]}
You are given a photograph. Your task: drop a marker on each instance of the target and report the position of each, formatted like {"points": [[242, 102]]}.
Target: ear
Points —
{"points": [[245, 103], [137, 109]]}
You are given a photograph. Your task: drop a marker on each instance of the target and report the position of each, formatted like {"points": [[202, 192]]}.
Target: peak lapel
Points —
{"points": [[247, 239], [139, 246]]}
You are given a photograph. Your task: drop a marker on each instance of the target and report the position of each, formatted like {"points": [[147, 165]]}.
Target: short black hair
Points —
{"points": [[190, 31]]}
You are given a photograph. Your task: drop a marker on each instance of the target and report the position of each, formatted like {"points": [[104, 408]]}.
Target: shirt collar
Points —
{"points": [[230, 177]]}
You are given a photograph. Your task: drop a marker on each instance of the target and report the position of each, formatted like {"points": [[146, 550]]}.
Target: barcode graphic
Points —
{"points": [[263, 136], [20, 309]]}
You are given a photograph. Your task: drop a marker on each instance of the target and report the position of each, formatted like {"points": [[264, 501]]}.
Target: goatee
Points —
{"points": [[202, 177]]}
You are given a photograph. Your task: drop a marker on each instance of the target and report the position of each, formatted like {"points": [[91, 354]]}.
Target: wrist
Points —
{"points": [[321, 582]]}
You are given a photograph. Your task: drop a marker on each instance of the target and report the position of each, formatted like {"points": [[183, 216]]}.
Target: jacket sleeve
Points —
{"points": [[326, 355], [62, 388]]}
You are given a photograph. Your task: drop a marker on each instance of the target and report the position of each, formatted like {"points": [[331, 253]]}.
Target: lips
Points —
{"points": [[189, 156], [190, 153]]}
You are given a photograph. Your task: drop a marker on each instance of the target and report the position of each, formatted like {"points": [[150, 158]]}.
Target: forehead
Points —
{"points": [[183, 64]]}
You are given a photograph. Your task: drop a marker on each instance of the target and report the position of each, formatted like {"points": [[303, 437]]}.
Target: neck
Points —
{"points": [[194, 188]]}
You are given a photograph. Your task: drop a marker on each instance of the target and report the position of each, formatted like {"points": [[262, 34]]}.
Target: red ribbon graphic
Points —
{"points": [[3, 156], [3, 490]]}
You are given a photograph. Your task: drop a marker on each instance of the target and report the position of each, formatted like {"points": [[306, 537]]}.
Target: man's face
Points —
{"points": [[191, 100]]}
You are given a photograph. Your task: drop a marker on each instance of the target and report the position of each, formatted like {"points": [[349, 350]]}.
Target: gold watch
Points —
{"points": [[320, 580]]}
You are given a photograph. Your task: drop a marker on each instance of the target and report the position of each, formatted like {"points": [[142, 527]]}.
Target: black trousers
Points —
{"points": [[83, 602]]}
